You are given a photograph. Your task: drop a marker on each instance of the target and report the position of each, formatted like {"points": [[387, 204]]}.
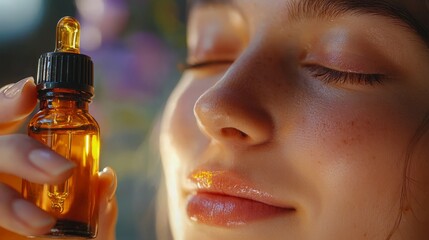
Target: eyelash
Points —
{"points": [[332, 76], [327, 75], [189, 66]]}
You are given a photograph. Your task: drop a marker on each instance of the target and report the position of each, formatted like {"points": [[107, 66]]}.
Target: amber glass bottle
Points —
{"points": [[65, 89]]}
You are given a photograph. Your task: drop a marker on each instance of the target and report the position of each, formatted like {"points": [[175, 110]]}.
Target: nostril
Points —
{"points": [[233, 133]]}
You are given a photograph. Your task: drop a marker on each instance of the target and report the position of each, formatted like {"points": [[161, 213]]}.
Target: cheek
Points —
{"points": [[358, 148], [181, 140], [353, 154], [358, 135], [177, 143], [178, 124]]}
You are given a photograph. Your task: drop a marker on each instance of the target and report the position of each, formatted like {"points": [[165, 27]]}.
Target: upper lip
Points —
{"points": [[229, 183]]}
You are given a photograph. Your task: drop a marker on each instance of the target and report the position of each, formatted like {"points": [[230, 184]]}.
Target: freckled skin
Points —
{"points": [[335, 151]]}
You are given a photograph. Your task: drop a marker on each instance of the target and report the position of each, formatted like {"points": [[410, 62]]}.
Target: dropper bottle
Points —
{"points": [[65, 89]]}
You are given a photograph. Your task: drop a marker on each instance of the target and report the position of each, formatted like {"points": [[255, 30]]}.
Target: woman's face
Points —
{"points": [[294, 121]]}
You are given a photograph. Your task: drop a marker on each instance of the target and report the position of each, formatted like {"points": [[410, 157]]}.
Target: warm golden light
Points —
{"points": [[204, 179]]}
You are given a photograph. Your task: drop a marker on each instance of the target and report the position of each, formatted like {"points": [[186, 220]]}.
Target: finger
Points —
{"points": [[107, 183], [20, 216], [108, 205], [17, 101], [27, 158], [10, 127], [108, 218]]}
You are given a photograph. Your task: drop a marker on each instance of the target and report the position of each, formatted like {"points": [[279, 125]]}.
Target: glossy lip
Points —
{"points": [[223, 198]]}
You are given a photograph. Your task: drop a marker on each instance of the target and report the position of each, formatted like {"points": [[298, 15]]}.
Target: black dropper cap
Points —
{"points": [[65, 67]]}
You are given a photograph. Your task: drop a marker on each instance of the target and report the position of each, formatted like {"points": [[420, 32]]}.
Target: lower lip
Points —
{"points": [[229, 211]]}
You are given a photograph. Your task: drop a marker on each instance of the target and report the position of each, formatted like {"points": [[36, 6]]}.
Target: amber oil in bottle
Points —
{"points": [[65, 89]]}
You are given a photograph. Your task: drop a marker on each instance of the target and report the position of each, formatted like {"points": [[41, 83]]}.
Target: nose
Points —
{"points": [[231, 114]]}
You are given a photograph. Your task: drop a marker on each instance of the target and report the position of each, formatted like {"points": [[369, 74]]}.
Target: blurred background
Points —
{"points": [[136, 46]]}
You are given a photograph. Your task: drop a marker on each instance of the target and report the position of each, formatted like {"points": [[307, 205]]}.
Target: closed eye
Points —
{"points": [[203, 64], [332, 76]]}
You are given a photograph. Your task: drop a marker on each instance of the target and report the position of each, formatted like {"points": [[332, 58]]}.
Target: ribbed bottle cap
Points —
{"points": [[66, 67], [65, 70]]}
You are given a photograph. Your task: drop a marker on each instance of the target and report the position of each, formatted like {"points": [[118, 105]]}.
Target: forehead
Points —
{"points": [[413, 14]]}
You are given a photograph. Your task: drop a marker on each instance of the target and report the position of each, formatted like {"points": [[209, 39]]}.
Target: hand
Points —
{"points": [[19, 156]]}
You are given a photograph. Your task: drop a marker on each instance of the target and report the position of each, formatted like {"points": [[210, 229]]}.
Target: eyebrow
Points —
{"points": [[326, 9]]}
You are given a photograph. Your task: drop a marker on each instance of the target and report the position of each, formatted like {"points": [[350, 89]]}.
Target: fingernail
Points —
{"points": [[30, 214], [13, 90], [49, 162], [113, 183]]}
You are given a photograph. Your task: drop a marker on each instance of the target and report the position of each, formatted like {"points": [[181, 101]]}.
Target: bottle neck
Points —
{"points": [[63, 99]]}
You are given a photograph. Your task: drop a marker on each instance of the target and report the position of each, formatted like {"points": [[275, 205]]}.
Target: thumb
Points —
{"points": [[108, 204], [17, 101]]}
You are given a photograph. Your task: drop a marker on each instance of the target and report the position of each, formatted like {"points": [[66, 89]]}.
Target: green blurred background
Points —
{"points": [[136, 46]]}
